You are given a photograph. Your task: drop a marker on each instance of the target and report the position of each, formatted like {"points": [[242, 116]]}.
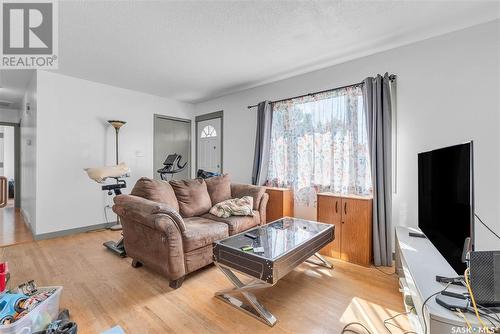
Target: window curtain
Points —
{"points": [[262, 143], [378, 109], [319, 143]]}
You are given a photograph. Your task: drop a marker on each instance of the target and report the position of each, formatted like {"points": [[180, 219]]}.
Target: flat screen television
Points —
{"points": [[446, 200]]}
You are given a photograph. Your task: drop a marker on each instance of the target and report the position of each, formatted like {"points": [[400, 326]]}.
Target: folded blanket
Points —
{"points": [[100, 174], [233, 207]]}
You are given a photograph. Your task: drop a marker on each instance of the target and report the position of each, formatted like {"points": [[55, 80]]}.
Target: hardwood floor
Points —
{"points": [[13, 229], [102, 290]]}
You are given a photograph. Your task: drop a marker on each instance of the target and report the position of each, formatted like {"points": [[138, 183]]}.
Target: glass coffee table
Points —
{"points": [[265, 254]]}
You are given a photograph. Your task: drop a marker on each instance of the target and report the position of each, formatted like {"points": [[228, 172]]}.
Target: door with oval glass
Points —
{"points": [[209, 145]]}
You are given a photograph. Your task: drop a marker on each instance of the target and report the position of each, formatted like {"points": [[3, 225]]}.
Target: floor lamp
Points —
{"points": [[117, 125]]}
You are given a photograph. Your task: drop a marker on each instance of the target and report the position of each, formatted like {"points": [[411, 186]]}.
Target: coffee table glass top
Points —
{"points": [[276, 238]]}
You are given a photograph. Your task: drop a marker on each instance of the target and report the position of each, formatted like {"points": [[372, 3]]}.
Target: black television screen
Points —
{"points": [[446, 200]]}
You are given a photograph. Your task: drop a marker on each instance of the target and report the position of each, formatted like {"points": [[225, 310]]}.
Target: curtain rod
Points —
{"points": [[392, 77]]}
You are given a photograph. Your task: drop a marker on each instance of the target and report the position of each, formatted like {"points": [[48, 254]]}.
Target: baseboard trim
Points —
{"points": [[27, 221], [70, 231], [25, 217]]}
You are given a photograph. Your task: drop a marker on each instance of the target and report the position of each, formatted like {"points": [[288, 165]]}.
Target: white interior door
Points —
{"points": [[209, 145]]}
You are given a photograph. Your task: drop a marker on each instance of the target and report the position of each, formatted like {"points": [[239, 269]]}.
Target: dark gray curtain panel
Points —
{"points": [[378, 109], [262, 143]]}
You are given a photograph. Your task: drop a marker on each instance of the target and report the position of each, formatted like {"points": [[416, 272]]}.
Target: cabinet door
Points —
{"points": [[280, 204], [274, 208], [329, 212], [356, 231]]}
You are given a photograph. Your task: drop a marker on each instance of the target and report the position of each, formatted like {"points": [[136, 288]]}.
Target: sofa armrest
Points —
{"points": [[240, 190], [152, 235], [263, 208], [146, 212]]}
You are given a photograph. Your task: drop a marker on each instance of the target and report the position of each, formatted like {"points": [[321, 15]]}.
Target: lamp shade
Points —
{"points": [[116, 123]]}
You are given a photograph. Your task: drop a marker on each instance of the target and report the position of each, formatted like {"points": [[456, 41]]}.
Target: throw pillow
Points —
{"points": [[219, 188], [240, 190], [156, 191], [192, 196], [233, 207]]}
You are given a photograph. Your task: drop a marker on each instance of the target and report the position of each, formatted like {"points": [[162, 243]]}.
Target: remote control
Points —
{"points": [[251, 236]]}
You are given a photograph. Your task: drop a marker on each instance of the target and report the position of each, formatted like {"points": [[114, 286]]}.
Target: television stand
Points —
{"points": [[418, 263]]}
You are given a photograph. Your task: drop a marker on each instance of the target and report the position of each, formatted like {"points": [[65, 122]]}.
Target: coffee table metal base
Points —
{"points": [[322, 261], [251, 305]]}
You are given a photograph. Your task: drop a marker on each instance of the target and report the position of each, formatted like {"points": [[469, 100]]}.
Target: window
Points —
{"points": [[208, 132], [319, 143]]}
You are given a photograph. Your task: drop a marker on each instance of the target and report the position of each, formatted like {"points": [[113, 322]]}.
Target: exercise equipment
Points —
{"points": [[172, 165], [117, 173]]}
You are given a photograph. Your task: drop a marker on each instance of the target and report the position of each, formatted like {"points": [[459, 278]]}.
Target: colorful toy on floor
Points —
{"points": [[4, 276], [29, 288], [11, 306], [10, 303]]}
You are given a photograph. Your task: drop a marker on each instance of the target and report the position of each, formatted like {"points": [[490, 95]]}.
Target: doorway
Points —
{"points": [[13, 228], [209, 139], [171, 136]]}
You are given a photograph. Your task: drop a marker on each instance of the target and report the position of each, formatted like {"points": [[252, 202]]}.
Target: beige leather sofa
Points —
{"points": [[168, 228]]}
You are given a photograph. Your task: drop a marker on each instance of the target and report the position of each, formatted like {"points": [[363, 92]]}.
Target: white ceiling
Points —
{"points": [[196, 50], [13, 84]]}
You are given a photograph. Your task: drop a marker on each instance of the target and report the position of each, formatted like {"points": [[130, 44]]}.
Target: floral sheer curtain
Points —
{"points": [[319, 143]]}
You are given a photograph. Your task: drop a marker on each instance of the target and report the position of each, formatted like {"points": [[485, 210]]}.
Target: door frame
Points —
{"points": [[175, 119], [17, 162], [206, 117]]}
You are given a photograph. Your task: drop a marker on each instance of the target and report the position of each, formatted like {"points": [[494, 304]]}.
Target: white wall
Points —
{"points": [[73, 134], [448, 93], [28, 153]]}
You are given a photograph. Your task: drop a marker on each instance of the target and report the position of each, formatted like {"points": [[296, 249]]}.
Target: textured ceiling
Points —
{"points": [[13, 84], [196, 50]]}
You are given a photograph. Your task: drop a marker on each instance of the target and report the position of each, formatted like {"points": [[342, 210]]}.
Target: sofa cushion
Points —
{"points": [[192, 196], [219, 188], [156, 191], [237, 224], [201, 232], [240, 190]]}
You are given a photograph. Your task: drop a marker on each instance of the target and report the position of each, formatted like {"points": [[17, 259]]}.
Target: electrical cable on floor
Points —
{"points": [[405, 331], [346, 328], [425, 302], [384, 272]]}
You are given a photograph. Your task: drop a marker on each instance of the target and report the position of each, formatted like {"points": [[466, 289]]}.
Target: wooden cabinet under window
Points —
{"points": [[280, 203], [352, 217]]}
